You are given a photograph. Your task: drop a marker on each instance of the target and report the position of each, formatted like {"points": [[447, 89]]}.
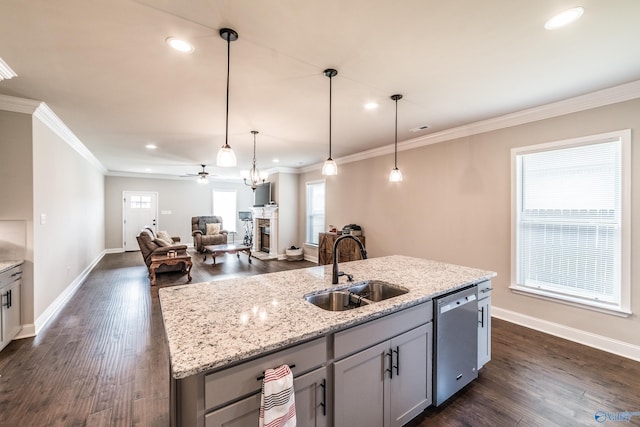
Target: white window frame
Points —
{"points": [[229, 224], [622, 307], [308, 215]]}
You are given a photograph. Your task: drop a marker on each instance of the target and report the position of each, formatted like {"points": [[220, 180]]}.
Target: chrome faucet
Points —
{"points": [[336, 273]]}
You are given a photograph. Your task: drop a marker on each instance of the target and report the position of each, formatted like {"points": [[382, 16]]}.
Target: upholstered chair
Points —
{"points": [[199, 232]]}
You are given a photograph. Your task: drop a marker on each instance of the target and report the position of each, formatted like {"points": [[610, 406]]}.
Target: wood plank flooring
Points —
{"points": [[103, 361]]}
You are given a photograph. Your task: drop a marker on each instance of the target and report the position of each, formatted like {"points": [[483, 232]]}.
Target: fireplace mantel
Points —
{"points": [[269, 212]]}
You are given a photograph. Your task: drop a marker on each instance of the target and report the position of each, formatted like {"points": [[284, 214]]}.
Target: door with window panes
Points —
{"points": [[140, 209]]}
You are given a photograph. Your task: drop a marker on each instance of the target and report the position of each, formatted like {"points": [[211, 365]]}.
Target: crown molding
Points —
{"points": [[5, 71], [18, 105], [282, 169], [41, 111], [596, 99], [53, 122]]}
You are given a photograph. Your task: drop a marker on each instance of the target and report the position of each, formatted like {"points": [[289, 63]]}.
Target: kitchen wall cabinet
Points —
{"points": [[348, 250], [10, 322], [484, 323]]}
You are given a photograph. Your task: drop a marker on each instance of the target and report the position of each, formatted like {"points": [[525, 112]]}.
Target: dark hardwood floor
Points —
{"points": [[103, 361]]}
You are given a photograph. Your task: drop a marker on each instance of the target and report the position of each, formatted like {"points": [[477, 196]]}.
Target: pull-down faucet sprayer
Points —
{"points": [[336, 273]]}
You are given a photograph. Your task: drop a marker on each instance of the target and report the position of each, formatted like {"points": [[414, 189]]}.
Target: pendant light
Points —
{"points": [[254, 176], [226, 157], [330, 167], [396, 175]]}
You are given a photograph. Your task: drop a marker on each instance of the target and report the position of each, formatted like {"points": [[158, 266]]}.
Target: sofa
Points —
{"points": [[150, 244], [199, 232]]}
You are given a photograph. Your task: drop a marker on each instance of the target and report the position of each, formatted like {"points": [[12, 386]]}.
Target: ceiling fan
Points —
{"points": [[203, 175]]}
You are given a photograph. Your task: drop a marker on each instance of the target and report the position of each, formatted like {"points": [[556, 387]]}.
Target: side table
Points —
{"points": [[158, 260]]}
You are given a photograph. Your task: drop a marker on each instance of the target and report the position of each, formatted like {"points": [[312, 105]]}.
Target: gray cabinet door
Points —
{"points": [[360, 388], [411, 383], [484, 331], [312, 392], [10, 317]]}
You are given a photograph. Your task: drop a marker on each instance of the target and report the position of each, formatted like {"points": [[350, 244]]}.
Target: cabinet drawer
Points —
{"points": [[370, 333], [484, 289], [10, 275], [240, 380]]}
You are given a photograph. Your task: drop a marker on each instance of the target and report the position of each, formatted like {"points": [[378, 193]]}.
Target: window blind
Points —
{"points": [[315, 211], [569, 220]]}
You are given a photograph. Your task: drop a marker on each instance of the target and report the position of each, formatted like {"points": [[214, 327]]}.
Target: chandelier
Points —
{"points": [[253, 177]]}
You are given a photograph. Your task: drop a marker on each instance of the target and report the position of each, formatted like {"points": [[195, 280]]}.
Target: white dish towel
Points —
{"points": [[277, 403]]}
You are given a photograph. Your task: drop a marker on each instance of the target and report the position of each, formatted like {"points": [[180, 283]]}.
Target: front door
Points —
{"points": [[140, 209]]}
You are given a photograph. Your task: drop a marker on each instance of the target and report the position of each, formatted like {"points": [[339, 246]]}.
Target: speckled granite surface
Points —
{"points": [[6, 265], [209, 325]]}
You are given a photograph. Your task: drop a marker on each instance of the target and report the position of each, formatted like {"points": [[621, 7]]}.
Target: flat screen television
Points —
{"points": [[262, 195]]}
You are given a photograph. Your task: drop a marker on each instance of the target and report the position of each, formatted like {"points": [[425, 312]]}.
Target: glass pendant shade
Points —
{"points": [[203, 180], [395, 175], [330, 167], [226, 157]]}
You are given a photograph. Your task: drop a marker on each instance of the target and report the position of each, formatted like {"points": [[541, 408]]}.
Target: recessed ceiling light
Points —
{"points": [[564, 18], [276, 160], [371, 105], [147, 169], [180, 45], [151, 146]]}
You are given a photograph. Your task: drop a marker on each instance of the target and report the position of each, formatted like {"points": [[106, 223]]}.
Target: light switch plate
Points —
{"points": [[43, 219]]}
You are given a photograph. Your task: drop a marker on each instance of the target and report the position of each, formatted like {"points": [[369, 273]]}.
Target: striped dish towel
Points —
{"points": [[277, 403]]}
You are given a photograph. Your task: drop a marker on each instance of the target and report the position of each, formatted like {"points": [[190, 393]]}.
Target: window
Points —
{"points": [[571, 221], [315, 211], [224, 205], [140, 202]]}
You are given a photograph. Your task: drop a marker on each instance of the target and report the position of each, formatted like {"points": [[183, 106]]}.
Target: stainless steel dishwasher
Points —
{"points": [[456, 342]]}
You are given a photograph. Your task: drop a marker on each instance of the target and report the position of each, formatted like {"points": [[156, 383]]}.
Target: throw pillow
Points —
{"points": [[161, 242], [165, 236], [213, 228]]}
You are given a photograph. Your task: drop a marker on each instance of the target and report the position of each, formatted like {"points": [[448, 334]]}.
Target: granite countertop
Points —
{"points": [[210, 325], [6, 265]]}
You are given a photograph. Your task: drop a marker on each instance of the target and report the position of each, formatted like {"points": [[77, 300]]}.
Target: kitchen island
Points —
{"points": [[219, 331]]}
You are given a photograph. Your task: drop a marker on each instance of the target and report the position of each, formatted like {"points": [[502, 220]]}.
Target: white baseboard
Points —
{"points": [[600, 342], [114, 251], [311, 258], [62, 299], [27, 331]]}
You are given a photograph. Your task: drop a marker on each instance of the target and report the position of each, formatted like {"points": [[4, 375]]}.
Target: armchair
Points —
{"points": [[199, 232], [149, 245]]}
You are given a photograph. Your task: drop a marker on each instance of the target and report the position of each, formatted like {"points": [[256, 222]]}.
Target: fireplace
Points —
{"points": [[265, 232]]}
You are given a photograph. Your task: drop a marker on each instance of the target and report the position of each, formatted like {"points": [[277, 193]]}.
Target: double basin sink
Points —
{"points": [[356, 295]]}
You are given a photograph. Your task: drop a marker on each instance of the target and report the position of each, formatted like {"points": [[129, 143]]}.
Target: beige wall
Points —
{"points": [[70, 192], [454, 206], [184, 198], [16, 190]]}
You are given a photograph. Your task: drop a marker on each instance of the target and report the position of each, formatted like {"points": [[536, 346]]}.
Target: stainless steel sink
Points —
{"points": [[356, 295], [376, 290], [336, 300]]}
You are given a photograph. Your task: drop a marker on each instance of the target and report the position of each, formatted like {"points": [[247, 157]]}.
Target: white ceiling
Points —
{"points": [[104, 68]]}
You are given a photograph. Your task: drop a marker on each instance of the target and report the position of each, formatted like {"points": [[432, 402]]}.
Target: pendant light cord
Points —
{"points": [[226, 130], [395, 158], [330, 92]]}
